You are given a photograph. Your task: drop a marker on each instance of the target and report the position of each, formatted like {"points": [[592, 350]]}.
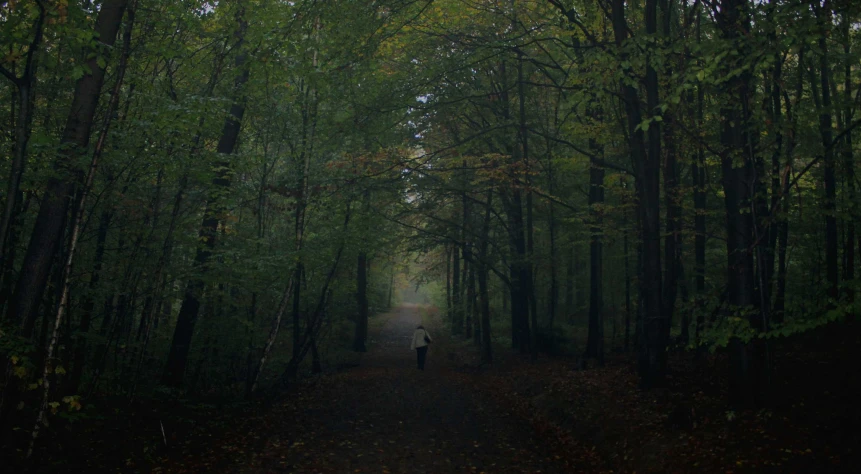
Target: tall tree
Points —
{"points": [[174, 370], [50, 223]]}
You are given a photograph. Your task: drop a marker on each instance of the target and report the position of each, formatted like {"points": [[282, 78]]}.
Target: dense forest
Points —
{"points": [[211, 200]]}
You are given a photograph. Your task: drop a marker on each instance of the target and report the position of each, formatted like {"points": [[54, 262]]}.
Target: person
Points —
{"points": [[421, 340]]}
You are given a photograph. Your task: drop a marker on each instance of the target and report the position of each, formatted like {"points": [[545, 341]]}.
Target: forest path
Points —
{"points": [[386, 416]]}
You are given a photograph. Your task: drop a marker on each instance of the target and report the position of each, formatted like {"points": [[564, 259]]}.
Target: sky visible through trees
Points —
{"points": [[210, 203]]}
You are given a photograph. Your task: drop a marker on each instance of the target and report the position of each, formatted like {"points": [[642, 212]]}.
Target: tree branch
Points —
{"points": [[15, 80]]}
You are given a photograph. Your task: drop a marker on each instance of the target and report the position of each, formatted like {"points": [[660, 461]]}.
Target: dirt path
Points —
{"points": [[386, 416]]}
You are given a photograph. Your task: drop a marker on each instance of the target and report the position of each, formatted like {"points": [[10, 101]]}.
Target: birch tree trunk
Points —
{"points": [[47, 367]]}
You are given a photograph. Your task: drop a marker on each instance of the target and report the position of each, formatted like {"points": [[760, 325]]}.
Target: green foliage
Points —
{"points": [[380, 128]]}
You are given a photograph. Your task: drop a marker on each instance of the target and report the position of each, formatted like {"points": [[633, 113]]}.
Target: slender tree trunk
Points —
{"points": [[254, 307], [848, 155], [391, 299], [672, 251], [456, 307], [174, 370], [767, 254], [297, 308], [529, 286], [476, 303], [149, 316], [553, 296], [466, 283], [652, 359], [569, 282], [448, 298], [580, 285], [26, 97], [821, 92], [595, 341], [783, 231], [362, 300], [656, 324], [65, 283], [314, 320], [627, 282], [672, 247], [519, 275], [825, 124], [308, 128], [316, 366], [80, 352], [486, 346], [698, 175], [470, 300], [746, 363], [506, 297], [270, 341]]}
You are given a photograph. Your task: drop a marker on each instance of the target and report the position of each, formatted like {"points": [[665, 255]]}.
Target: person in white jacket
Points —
{"points": [[421, 340]]}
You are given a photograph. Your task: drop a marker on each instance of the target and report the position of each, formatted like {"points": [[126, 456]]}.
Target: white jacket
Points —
{"points": [[419, 339]]}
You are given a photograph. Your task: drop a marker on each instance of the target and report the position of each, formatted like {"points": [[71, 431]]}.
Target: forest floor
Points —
{"points": [[546, 415], [380, 414], [387, 416]]}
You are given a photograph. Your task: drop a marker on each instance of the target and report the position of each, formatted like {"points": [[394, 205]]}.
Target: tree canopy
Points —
{"points": [[210, 198]]}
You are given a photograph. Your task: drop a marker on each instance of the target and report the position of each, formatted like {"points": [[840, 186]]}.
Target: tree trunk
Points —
{"points": [[672, 250], [297, 305], [77, 223], [652, 359], [848, 157], [698, 175], [362, 300], [627, 283], [553, 296], [448, 299], [464, 283], [519, 275], [506, 297], [391, 299], [174, 370], [529, 286], [149, 318], [569, 282], [486, 347], [456, 309], [825, 127], [26, 97], [49, 227], [783, 230], [745, 359], [466, 299], [316, 366], [464, 294], [270, 341], [314, 320], [595, 341], [80, 352], [470, 301]]}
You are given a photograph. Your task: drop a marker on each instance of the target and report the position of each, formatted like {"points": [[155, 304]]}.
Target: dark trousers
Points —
{"points": [[422, 353]]}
